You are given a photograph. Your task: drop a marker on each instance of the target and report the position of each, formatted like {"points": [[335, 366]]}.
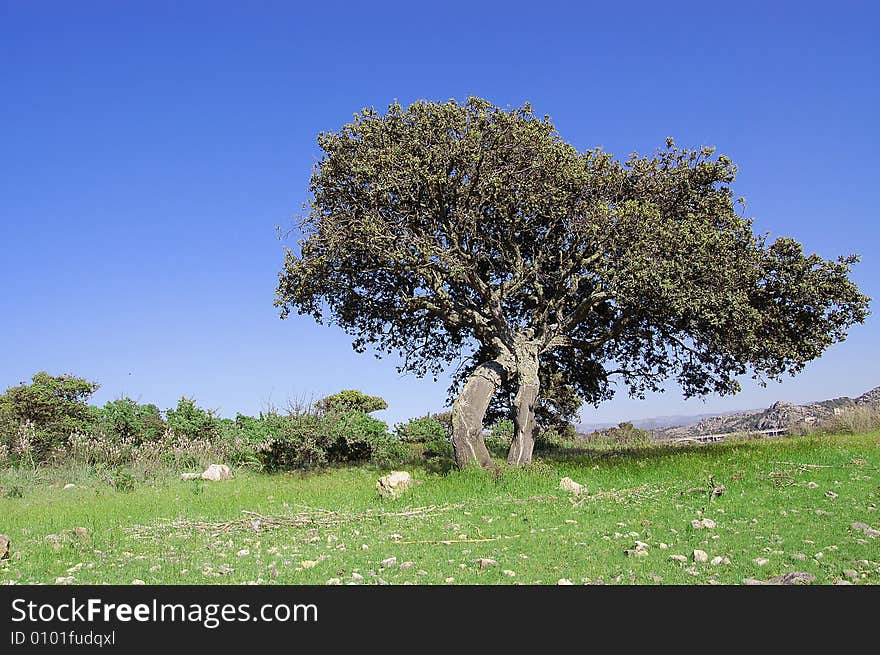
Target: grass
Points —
{"points": [[167, 531]]}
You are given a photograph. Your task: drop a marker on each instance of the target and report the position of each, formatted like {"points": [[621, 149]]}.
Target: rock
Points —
{"points": [[190, 476], [830, 494], [62, 580], [678, 558], [334, 581], [641, 545], [752, 581], [393, 484], [407, 565], [486, 562], [662, 546], [567, 484], [509, 573], [843, 582], [356, 576], [216, 473], [792, 577], [564, 582], [717, 560], [812, 485], [138, 581], [387, 563], [701, 556], [69, 486], [850, 573], [867, 529], [4, 546], [244, 552], [761, 561], [636, 552], [699, 524]]}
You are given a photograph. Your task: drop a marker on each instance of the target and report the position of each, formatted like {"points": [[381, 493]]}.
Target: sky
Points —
{"points": [[148, 150]]}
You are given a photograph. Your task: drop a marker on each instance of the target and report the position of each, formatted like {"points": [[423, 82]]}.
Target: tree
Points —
{"points": [[444, 230], [349, 400], [54, 404]]}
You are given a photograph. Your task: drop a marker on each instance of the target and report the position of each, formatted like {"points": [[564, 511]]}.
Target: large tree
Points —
{"points": [[446, 230]]}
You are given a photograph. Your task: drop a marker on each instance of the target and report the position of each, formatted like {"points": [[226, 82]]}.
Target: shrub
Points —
{"points": [[439, 455], [354, 436], [500, 437], [623, 434], [126, 419], [53, 406], [192, 422], [297, 441], [351, 400], [420, 430]]}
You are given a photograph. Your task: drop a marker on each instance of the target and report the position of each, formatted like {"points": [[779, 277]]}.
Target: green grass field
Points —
{"points": [[791, 502]]}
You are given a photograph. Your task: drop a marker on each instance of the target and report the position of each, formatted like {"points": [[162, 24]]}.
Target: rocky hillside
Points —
{"points": [[778, 415]]}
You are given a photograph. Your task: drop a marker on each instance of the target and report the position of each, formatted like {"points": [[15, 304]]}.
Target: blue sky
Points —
{"points": [[149, 149]]}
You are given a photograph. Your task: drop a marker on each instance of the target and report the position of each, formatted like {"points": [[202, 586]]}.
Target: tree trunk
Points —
{"points": [[525, 426], [468, 412]]}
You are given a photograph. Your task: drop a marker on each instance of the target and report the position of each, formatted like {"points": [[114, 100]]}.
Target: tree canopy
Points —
{"points": [[444, 231]]}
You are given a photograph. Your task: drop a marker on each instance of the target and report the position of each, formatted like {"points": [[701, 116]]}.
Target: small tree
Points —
{"points": [[445, 229], [349, 400], [55, 404]]}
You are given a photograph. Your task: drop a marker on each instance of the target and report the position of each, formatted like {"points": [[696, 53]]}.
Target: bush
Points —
{"points": [[439, 455], [51, 406], [350, 400], [500, 437], [192, 422], [126, 419], [623, 434], [421, 430]]}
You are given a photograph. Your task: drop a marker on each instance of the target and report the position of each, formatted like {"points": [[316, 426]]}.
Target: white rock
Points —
{"points": [[69, 486], [761, 561], [393, 484], [190, 476], [678, 558], [67, 580], [717, 560], [701, 556], [567, 484], [564, 582], [216, 473], [244, 552], [486, 562], [391, 561], [137, 581]]}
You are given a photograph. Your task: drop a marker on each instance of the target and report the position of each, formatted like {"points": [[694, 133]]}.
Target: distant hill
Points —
{"points": [[778, 415], [660, 422]]}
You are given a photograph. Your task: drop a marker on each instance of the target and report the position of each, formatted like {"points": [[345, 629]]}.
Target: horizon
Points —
{"points": [[150, 153]]}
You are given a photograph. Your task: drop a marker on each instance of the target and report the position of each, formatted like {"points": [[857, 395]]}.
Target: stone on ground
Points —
{"points": [[393, 484]]}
